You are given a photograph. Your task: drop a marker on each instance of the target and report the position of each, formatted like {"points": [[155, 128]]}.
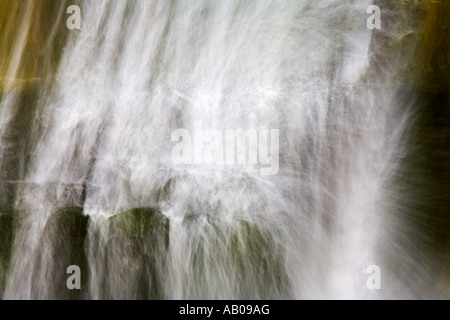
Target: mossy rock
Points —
{"points": [[139, 222], [259, 260], [131, 255], [6, 239]]}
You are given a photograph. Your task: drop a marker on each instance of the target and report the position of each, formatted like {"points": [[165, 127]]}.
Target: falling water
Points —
{"points": [[85, 151]]}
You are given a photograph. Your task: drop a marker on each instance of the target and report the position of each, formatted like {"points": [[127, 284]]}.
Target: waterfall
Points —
{"points": [[88, 176]]}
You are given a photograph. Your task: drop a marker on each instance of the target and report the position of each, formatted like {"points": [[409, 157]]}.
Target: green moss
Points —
{"points": [[139, 222]]}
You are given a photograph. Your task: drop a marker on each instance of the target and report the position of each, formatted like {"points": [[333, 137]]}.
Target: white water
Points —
{"points": [[136, 71]]}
